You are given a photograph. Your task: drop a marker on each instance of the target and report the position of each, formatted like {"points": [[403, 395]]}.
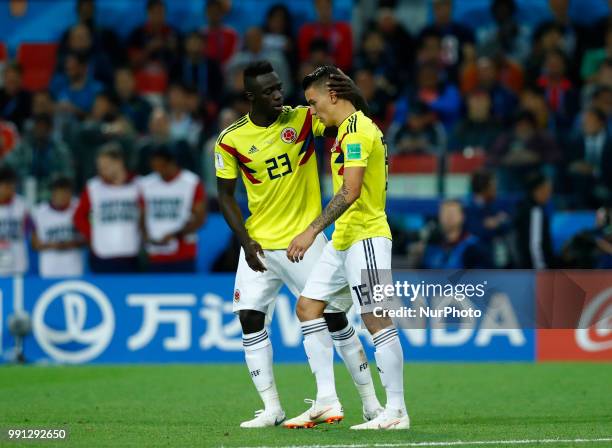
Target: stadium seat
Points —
{"points": [[38, 61], [458, 163], [413, 163], [459, 169]]}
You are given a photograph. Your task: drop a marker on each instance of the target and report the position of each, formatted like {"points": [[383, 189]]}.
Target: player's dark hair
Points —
{"points": [[321, 74], [257, 68], [7, 175], [62, 183], [481, 180]]}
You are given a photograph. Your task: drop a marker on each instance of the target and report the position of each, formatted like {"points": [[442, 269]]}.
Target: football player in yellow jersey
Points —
{"points": [[272, 149], [360, 247]]}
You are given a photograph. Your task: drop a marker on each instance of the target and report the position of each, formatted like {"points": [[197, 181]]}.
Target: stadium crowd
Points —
{"points": [[535, 103]]}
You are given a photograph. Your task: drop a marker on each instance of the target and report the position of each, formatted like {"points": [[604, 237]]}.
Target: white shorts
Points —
{"points": [[258, 290], [357, 267]]}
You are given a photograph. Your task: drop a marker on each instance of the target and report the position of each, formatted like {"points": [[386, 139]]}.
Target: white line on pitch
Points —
{"points": [[449, 443]]}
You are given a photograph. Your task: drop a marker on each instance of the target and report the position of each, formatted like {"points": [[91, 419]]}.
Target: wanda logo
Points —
{"points": [[594, 332]]}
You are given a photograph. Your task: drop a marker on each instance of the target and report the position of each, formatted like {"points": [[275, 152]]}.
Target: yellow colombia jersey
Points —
{"points": [[279, 170], [361, 143]]}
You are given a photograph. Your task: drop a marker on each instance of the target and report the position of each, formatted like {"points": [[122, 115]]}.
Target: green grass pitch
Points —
{"points": [[202, 405]]}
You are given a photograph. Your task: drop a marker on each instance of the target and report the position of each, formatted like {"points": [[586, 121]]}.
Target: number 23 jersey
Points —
{"points": [[279, 170]]}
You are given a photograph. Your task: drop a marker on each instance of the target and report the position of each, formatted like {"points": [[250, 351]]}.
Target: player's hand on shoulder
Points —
{"points": [[252, 250]]}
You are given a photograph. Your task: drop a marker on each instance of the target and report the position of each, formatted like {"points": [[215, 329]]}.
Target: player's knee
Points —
{"points": [[375, 324], [251, 321], [308, 309], [335, 321]]}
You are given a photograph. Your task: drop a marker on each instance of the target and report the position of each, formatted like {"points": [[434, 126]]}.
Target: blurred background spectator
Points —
{"points": [[472, 98], [54, 235]]}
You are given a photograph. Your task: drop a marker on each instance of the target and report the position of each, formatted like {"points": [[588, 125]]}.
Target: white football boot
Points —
{"points": [[388, 419], [317, 414], [264, 419], [371, 414]]}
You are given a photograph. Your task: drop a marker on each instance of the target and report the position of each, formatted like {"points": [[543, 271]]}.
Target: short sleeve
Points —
{"points": [[318, 128], [226, 165], [356, 149]]}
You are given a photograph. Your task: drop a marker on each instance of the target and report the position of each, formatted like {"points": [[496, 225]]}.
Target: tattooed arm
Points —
{"points": [[348, 193]]}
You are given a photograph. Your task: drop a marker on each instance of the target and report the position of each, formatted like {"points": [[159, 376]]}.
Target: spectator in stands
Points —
{"points": [[105, 124], [378, 99], [479, 129], [397, 40], [155, 42], [590, 161], [547, 38], [532, 226], [503, 101], [561, 96], [533, 100], [254, 51], [197, 70], [43, 104], [80, 41], [182, 124], [422, 133], [279, 36], [374, 55], [174, 209], [15, 102], [594, 58], [337, 34], [523, 149], [603, 238], [160, 134], [109, 215], [442, 97], [429, 51], [104, 39], [54, 234], [131, 105], [507, 73], [561, 19], [507, 35], [39, 158], [601, 99], [222, 41], [485, 219], [451, 246], [13, 219], [9, 137], [73, 90], [458, 43]]}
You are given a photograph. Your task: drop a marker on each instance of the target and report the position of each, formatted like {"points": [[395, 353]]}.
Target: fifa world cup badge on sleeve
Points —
{"points": [[219, 161], [353, 151]]}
